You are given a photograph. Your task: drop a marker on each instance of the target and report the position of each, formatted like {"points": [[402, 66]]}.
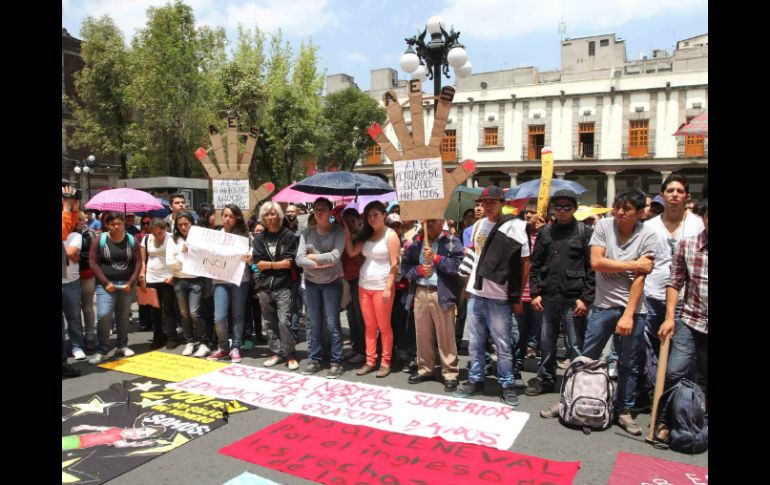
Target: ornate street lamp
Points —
{"points": [[86, 166], [426, 61]]}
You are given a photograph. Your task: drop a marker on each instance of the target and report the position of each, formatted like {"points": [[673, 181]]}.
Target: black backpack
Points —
{"points": [[685, 414]]}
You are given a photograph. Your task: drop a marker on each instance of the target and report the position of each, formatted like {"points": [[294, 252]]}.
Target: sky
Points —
{"points": [[357, 36]]}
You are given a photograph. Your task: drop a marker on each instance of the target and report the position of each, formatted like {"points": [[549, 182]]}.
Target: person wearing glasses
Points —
{"points": [[562, 286], [530, 321], [319, 253]]}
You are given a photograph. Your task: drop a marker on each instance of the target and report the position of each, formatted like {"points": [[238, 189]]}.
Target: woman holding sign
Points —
{"points": [[188, 288], [228, 296], [382, 249]]}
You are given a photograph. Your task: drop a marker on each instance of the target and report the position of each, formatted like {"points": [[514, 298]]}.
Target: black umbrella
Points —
{"points": [[343, 183]]}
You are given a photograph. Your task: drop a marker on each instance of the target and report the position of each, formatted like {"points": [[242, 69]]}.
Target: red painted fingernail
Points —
{"points": [[200, 153], [469, 165], [270, 186], [375, 130]]}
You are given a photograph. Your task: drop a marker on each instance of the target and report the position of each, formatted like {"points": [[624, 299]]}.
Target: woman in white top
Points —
{"points": [[381, 248], [228, 296], [188, 288], [158, 275]]}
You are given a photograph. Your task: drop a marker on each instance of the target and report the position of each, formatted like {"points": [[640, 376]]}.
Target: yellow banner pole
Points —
{"points": [[546, 175]]}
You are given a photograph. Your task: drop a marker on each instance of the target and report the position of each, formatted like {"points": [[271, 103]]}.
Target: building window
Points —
{"points": [[586, 147], [693, 145], [536, 141], [449, 146], [604, 42], [638, 139], [592, 48], [373, 155], [490, 137]]}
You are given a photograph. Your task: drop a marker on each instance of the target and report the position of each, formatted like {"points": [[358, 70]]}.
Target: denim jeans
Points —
{"points": [[356, 320], [494, 317], [656, 314], [462, 315], [323, 307], [402, 323], [298, 300], [556, 312], [189, 292], [601, 326], [230, 297], [529, 323], [112, 306], [688, 358], [277, 306], [87, 292], [70, 307]]}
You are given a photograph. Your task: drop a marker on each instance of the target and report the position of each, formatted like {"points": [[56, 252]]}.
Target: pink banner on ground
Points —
{"points": [[331, 452], [631, 469]]}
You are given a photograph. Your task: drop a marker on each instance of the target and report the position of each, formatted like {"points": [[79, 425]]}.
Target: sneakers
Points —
{"points": [[469, 389], [356, 359], [552, 412], [537, 386], [311, 368], [293, 364], [348, 354], [272, 361], [383, 372], [613, 370], [78, 354], [335, 371], [366, 369], [219, 354], [203, 351], [188, 349], [564, 364], [531, 353], [450, 385], [248, 344], [626, 421], [126, 352], [69, 371], [509, 397], [518, 381], [235, 355], [96, 359]]}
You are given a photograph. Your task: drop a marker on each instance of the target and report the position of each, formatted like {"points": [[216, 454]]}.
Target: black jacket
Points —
{"points": [[561, 263], [500, 259], [286, 248]]}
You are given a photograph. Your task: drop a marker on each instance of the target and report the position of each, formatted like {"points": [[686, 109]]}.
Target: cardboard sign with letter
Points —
{"points": [[215, 254]]}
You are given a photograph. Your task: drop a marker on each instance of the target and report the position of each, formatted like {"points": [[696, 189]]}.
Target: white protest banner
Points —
{"points": [[420, 179], [215, 254], [230, 191], [461, 420]]}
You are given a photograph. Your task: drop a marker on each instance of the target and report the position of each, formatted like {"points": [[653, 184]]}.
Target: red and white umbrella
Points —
{"points": [[125, 200], [698, 126]]}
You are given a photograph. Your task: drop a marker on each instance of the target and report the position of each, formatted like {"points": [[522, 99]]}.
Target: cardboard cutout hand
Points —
{"points": [[230, 166], [415, 148]]}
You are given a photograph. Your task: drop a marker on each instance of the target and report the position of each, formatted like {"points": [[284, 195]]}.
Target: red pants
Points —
{"points": [[376, 312]]}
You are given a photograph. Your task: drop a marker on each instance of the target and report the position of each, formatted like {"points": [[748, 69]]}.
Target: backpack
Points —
{"points": [[586, 395], [685, 414], [103, 241], [469, 257]]}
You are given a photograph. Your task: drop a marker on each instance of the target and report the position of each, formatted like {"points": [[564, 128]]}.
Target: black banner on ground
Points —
{"points": [[110, 432]]}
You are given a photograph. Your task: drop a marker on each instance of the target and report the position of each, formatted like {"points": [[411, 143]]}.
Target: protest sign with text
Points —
{"points": [[462, 420], [215, 254], [231, 192], [419, 179]]}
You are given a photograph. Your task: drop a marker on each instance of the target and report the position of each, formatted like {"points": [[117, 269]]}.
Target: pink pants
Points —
{"points": [[376, 312]]}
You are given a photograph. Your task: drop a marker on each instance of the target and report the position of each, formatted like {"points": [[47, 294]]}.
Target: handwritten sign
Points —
{"points": [[215, 254], [420, 179], [330, 452], [230, 191], [161, 365], [632, 469], [462, 420]]}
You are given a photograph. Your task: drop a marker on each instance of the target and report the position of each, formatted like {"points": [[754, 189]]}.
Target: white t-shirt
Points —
{"points": [[73, 269], [175, 257], [376, 268], [655, 283], [157, 269], [516, 229]]}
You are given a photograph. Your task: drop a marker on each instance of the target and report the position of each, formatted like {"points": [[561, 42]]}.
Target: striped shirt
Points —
{"points": [[690, 267]]}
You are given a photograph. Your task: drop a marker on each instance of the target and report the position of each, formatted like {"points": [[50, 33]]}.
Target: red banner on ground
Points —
{"points": [[337, 454], [631, 469]]}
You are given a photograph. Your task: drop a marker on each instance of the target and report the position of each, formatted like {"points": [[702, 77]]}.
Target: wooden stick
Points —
{"points": [[660, 381]]}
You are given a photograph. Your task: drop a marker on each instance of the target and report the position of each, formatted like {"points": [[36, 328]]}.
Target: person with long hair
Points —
{"points": [[382, 249], [274, 252], [228, 296], [320, 248], [158, 275], [87, 282], [351, 267], [188, 288], [116, 262], [207, 218]]}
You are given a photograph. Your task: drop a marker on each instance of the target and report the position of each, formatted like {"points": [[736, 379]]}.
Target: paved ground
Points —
{"points": [[199, 462]]}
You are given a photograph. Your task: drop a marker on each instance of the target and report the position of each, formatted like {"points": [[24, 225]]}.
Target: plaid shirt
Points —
{"points": [[690, 266]]}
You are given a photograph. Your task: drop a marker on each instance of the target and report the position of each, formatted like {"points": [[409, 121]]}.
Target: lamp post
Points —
{"points": [[85, 167], [427, 61]]}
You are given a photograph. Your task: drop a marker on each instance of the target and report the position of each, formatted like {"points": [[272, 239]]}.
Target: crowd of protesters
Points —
{"points": [[613, 285]]}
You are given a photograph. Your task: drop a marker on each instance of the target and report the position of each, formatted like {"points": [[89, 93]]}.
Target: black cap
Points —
{"points": [[492, 192], [565, 194]]}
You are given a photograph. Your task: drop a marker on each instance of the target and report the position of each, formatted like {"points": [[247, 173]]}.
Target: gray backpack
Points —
{"points": [[586, 395]]}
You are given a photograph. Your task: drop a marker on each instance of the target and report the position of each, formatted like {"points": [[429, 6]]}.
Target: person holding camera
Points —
{"points": [[70, 209]]}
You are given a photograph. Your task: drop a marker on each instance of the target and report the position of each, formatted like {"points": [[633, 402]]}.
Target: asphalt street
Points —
{"points": [[199, 462]]}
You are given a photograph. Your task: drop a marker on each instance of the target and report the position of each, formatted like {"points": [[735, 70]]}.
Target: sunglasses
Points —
{"points": [[564, 208], [145, 223]]}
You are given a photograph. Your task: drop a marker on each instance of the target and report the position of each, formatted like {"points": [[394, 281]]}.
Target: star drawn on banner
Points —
{"points": [[145, 387], [146, 403], [165, 445], [81, 477], [95, 406]]}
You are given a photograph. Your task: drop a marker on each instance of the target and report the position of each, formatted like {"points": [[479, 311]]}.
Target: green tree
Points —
{"points": [[347, 115], [172, 91], [102, 116]]}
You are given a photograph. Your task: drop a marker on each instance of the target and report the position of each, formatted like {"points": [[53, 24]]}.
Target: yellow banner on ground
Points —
{"points": [[165, 366]]}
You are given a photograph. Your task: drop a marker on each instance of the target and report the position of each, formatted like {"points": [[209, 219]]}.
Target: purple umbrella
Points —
{"points": [[126, 200]]}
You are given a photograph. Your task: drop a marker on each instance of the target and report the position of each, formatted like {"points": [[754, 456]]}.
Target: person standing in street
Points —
{"points": [[158, 275]]}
